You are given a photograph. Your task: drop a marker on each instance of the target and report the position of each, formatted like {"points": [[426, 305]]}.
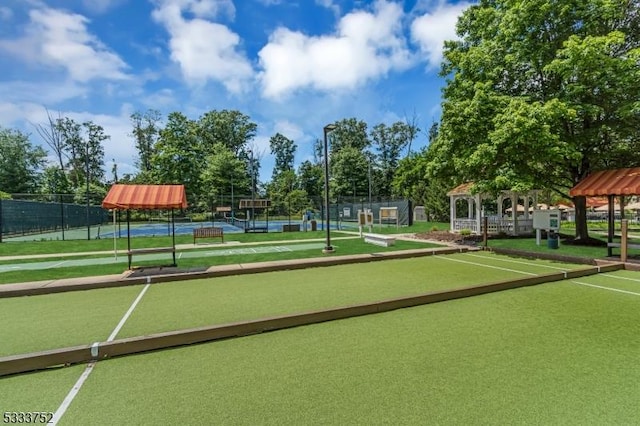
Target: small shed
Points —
{"points": [[610, 183], [147, 197]]}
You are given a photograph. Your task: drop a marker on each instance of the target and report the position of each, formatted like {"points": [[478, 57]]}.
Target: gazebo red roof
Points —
{"points": [[157, 197], [609, 182]]}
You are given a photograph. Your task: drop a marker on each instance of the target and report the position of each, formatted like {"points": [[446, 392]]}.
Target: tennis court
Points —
{"points": [[552, 353]]}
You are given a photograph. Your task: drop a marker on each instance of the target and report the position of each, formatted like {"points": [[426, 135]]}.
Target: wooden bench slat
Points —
{"points": [[208, 232]]}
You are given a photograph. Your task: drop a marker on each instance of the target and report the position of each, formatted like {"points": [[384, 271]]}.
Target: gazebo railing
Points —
{"points": [[494, 226]]}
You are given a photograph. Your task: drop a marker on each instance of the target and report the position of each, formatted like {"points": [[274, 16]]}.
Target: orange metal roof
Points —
{"points": [[126, 197], [609, 182]]}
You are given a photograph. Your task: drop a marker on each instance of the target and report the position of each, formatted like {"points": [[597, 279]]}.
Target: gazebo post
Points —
{"points": [[452, 214], [611, 224], [478, 201]]}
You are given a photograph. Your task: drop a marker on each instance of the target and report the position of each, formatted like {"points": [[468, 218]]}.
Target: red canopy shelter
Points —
{"points": [[616, 182], [149, 197]]}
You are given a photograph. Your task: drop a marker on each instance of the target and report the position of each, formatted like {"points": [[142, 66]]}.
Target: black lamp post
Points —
{"points": [[328, 128], [86, 164]]}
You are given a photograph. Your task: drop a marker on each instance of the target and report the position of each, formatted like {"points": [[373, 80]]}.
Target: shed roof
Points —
{"points": [[609, 182], [158, 197]]}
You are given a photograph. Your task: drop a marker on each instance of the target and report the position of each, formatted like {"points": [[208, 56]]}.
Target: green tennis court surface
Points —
{"points": [[556, 353]]}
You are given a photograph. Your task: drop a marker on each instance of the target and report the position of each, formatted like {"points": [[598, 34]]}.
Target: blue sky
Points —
{"points": [[292, 66]]}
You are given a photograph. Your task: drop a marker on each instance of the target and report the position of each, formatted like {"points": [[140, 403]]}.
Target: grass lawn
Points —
{"points": [[529, 244], [558, 353]]}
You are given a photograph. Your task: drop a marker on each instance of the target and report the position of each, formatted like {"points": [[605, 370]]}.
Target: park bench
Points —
{"points": [[151, 250], [380, 240], [208, 232]]}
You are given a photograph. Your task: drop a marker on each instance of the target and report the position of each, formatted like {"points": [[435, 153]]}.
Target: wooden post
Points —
{"points": [[610, 224], [485, 231], [623, 240]]}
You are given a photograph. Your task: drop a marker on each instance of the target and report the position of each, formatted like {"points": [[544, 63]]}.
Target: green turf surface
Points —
{"points": [[44, 322], [40, 391], [229, 299], [343, 247], [64, 319], [557, 353]]}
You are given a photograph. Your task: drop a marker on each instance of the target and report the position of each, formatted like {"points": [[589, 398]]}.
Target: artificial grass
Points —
{"points": [[67, 319], [39, 391], [230, 299], [63, 319], [344, 247], [551, 354]]}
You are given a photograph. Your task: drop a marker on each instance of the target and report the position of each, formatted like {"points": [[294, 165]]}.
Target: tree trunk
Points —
{"points": [[580, 204]]}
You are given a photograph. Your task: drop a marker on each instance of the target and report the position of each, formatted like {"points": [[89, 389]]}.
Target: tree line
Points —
{"points": [[214, 156]]}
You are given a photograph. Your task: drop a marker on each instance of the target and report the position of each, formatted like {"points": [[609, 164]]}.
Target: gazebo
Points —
{"points": [[515, 221], [147, 197], [612, 183]]}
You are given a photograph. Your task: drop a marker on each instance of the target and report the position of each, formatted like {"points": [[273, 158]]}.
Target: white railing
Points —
{"points": [[494, 226]]}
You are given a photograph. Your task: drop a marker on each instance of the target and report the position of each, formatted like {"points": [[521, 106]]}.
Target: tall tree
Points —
{"points": [[146, 130], [52, 136], [178, 157], [540, 93], [311, 179], [350, 132], [94, 151], [70, 132], [230, 128], [20, 162], [284, 150], [349, 172], [390, 141]]}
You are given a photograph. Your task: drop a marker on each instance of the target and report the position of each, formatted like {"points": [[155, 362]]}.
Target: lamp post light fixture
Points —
{"points": [[328, 128]]}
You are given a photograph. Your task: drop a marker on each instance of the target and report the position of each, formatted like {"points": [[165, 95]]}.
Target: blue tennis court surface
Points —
{"points": [[159, 229]]}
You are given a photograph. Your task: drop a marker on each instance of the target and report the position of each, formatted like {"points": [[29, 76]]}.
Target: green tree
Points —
{"points": [[311, 178], [55, 181], [230, 128], [349, 132], [224, 170], [349, 172], [284, 150], [178, 157], [83, 148], [540, 93], [20, 162], [389, 142], [146, 130]]}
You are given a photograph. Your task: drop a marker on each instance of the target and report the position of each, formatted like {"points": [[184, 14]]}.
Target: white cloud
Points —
{"points": [[203, 49], [431, 30], [366, 46], [61, 40], [288, 129]]}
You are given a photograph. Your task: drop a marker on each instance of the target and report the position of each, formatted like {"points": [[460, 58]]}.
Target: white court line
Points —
{"points": [[56, 265], [520, 262], [87, 371], [486, 266], [635, 280], [607, 288]]}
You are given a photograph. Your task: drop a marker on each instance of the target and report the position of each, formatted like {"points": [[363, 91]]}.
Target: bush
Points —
{"points": [[465, 232]]}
